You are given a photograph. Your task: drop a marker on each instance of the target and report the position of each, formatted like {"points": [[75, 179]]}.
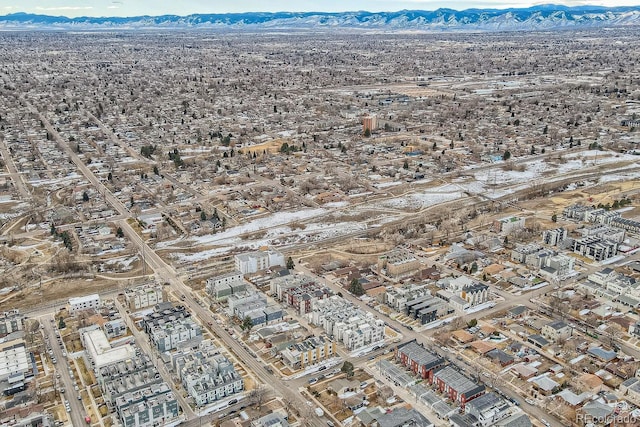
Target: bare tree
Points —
{"points": [[258, 395]]}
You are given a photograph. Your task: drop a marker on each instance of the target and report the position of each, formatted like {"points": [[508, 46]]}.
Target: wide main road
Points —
{"points": [[167, 274]]}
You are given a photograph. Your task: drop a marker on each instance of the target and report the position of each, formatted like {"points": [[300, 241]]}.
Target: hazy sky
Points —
{"points": [[74, 8]]}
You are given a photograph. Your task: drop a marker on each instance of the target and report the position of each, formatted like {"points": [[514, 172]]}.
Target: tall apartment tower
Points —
{"points": [[369, 122]]}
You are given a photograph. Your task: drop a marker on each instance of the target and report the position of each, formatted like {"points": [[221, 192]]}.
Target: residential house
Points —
{"points": [[556, 330]]}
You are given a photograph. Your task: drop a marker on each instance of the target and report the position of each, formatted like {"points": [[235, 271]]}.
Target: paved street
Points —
{"points": [[167, 274], [78, 412], [143, 342]]}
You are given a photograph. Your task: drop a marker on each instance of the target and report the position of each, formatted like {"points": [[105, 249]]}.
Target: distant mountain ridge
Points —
{"points": [[542, 17]]}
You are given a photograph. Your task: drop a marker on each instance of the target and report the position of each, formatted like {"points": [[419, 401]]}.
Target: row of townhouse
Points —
{"points": [[134, 390], [206, 374], [308, 352], [221, 287], [344, 322], [145, 296]]}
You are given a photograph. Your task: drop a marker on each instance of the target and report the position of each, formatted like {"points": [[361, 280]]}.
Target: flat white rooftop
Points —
{"points": [[83, 299], [101, 351]]}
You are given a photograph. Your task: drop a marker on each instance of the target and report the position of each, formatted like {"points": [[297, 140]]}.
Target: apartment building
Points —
{"points": [[369, 122], [601, 216], [302, 298], [604, 232], [206, 374], [397, 298], [555, 236], [556, 330], [129, 374], [520, 252], [164, 313], [15, 367], [280, 285], [252, 262], [595, 248], [626, 224], [10, 322], [98, 349], [508, 224], [577, 212], [398, 262], [558, 265], [145, 296], [221, 287], [346, 323], [254, 306], [148, 407], [168, 336], [308, 352], [427, 308], [86, 302], [488, 409]]}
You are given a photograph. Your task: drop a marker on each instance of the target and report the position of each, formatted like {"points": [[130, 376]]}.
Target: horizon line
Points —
{"points": [[584, 6]]}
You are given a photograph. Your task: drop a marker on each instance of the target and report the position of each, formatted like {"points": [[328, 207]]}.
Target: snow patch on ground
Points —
{"points": [[259, 224], [419, 200], [632, 174], [275, 237], [336, 204]]}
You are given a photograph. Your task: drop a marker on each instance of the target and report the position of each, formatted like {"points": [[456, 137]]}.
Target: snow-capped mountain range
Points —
{"points": [[543, 17]]}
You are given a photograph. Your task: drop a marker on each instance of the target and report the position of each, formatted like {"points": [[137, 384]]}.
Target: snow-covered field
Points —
{"points": [[419, 200], [231, 234], [326, 222], [282, 235]]}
